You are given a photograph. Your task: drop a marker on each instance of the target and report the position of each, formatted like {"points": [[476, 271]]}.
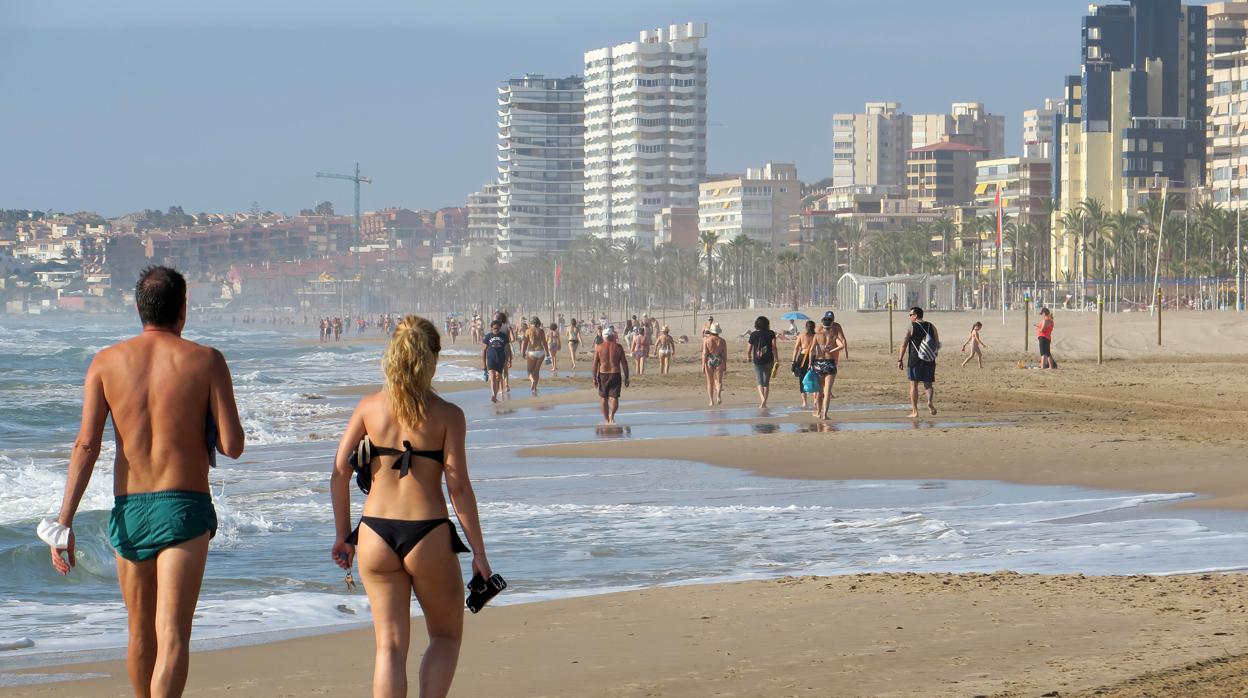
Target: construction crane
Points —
{"points": [[356, 178]]}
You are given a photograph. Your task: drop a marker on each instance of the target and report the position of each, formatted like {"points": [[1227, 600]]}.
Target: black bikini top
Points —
{"points": [[362, 459]]}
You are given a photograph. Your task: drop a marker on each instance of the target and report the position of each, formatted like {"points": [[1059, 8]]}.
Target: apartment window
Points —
{"points": [[1094, 33], [1159, 147], [1094, 52]]}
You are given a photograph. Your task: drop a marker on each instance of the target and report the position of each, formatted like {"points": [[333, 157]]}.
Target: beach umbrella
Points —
{"points": [[794, 316]]}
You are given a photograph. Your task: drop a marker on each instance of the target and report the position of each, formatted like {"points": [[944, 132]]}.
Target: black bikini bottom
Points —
{"points": [[402, 535]]}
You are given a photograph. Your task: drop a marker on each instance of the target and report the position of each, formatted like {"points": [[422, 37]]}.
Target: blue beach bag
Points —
{"points": [[810, 382]]}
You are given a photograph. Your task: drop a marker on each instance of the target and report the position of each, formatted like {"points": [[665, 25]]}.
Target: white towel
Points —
{"points": [[54, 534]]}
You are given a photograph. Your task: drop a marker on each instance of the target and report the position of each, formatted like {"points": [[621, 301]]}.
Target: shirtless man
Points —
{"points": [[609, 362], [172, 404]]}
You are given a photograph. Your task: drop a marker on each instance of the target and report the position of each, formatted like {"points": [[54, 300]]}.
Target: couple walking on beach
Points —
{"points": [[173, 409], [816, 358]]}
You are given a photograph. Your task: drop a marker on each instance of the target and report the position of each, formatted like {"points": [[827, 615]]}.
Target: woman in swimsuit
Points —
{"points": [[801, 357], [534, 349], [552, 340], [641, 349], [574, 341], [714, 364], [406, 543], [666, 348]]}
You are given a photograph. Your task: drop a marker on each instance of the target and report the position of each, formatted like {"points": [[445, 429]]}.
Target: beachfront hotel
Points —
{"points": [[1134, 121], [1040, 129], [870, 149], [541, 165], [645, 130], [758, 204], [1228, 103]]}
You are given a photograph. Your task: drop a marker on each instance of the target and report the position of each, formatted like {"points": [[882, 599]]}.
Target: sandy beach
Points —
{"points": [[1168, 419]]}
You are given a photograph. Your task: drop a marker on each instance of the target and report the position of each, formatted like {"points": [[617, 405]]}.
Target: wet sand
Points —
{"points": [[1173, 419]]}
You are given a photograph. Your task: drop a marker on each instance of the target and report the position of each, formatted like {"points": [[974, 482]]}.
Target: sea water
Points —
{"points": [[555, 527]]}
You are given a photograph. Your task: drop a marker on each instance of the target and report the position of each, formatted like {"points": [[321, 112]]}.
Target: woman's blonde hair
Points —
{"points": [[408, 364]]}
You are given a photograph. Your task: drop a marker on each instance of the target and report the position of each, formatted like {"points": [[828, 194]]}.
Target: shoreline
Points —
{"points": [[1153, 423], [1001, 634]]}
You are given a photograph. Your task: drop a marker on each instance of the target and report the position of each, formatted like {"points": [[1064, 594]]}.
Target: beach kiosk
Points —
{"points": [[858, 292]]}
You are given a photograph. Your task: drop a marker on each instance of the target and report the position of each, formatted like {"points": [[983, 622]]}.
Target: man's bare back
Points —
{"points": [[161, 390], [608, 357]]}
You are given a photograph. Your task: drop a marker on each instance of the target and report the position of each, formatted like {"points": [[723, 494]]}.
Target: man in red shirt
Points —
{"points": [[610, 365]]}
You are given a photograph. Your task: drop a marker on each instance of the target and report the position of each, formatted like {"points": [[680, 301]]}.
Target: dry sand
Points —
{"points": [[1170, 419]]}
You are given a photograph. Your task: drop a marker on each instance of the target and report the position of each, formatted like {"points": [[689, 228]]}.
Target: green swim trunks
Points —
{"points": [[144, 524]]}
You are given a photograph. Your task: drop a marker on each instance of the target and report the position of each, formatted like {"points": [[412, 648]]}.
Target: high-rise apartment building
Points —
{"points": [[757, 205], [1135, 118], [969, 121], [1039, 129], [1228, 103], [1228, 29], [482, 209], [541, 165], [943, 173], [645, 130], [869, 149]]}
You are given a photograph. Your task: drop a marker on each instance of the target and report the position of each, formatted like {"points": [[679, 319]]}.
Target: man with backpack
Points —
{"points": [[917, 355]]}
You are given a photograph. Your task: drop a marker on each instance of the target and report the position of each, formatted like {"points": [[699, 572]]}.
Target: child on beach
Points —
{"points": [[977, 345]]}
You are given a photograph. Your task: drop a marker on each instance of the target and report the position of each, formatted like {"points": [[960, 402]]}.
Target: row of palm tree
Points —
{"points": [[1089, 243]]}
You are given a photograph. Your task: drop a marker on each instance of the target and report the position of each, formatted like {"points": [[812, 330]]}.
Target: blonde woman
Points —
{"points": [[406, 542]]}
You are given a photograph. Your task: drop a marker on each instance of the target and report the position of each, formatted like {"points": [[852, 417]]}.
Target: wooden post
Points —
{"points": [[890, 325], [1026, 323], [1100, 329], [1159, 315]]}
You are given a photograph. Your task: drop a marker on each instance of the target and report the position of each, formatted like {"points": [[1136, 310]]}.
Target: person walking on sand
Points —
{"points": [[405, 540], [976, 344], [802, 347], [510, 333], [495, 356], [714, 364], [574, 342], [172, 407], [533, 348], [640, 346], [761, 353], [825, 353], [666, 348], [1044, 338], [610, 367], [919, 359], [553, 341]]}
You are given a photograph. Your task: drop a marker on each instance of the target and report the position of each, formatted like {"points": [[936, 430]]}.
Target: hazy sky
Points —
{"points": [[129, 104]]}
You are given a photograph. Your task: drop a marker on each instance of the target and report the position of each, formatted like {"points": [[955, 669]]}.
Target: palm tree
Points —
{"points": [[787, 263], [707, 241]]}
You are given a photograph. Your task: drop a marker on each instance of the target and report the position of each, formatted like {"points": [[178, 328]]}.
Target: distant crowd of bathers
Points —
{"points": [[332, 328]]}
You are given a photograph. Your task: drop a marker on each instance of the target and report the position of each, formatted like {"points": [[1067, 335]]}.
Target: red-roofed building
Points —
{"points": [[943, 173]]}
